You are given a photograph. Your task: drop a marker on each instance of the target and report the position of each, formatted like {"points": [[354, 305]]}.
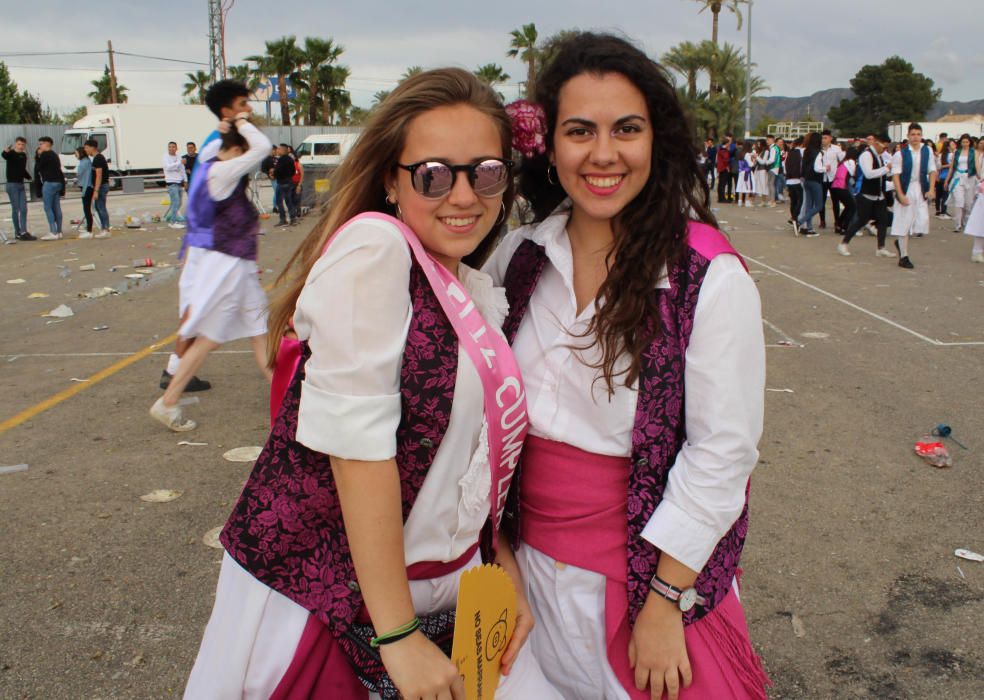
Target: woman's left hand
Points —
{"points": [[524, 613], [658, 651]]}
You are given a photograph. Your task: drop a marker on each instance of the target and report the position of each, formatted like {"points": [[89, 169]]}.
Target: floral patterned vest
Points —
{"points": [[286, 529], [660, 428]]}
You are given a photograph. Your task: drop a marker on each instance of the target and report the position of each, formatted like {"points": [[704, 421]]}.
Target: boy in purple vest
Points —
{"points": [[914, 176]]}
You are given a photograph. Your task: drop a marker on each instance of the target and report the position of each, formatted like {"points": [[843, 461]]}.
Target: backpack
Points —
{"points": [[297, 173]]}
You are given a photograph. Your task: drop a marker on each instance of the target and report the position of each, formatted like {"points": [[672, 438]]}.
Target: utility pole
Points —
{"points": [[748, 76], [112, 74], [216, 40]]}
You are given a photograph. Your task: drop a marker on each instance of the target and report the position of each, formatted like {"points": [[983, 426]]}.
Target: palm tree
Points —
{"points": [[492, 74], [282, 59], [103, 93], [688, 60], [197, 82], [715, 6], [379, 97], [299, 104], [336, 100], [410, 72], [317, 54], [523, 44], [246, 75]]}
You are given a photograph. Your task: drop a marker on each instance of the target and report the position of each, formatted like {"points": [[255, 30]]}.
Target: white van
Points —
{"points": [[325, 149]]}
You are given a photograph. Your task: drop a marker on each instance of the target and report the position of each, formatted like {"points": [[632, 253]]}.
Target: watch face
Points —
{"points": [[688, 598]]}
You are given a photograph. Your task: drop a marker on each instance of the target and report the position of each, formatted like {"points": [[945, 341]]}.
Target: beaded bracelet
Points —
{"points": [[396, 635]]}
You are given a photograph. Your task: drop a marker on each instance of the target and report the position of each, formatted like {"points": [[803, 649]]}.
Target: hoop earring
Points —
{"points": [[550, 179], [399, 212], [501, 219]]}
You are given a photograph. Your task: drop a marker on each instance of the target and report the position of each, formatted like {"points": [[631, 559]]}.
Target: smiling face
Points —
{"points": [[450, 227], [172, 149], [603, 144]]}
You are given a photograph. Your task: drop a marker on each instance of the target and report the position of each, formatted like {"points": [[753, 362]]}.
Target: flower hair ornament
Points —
{"points": [[529, 124]]}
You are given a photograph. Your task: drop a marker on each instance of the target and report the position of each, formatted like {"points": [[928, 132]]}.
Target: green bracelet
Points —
{"points": [[397, 634]]}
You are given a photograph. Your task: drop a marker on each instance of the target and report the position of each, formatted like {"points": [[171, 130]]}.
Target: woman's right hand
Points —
{"points": [[421, 671]]}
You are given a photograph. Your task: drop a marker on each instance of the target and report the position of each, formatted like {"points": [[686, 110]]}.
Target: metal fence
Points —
{"points": [[293, 135]]}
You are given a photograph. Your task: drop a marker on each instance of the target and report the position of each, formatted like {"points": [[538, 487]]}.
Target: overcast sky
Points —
{"points": [[800, 46]]}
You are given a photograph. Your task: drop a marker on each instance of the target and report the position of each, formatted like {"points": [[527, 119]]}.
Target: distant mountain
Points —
{"points": [[816, 106]]}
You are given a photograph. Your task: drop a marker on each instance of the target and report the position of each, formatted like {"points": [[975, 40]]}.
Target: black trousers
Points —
{"points": [[87, 207], [285, 200], [724, 187], [868, 210], [843, 203], [823, 207], [795, 200]]}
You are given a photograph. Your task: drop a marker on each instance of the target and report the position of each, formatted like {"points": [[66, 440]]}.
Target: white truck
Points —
{"points": [[898, 131], [327, 149], [134, 138]]}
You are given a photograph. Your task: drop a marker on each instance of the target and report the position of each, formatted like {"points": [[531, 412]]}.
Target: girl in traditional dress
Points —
{"points": [[961, 182], [632, 500], [383, 472], [224, 298], [746, 175], [975, 225]]}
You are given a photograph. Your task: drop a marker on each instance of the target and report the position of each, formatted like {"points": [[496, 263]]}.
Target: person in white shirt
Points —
{"points": [[176, 180], [402, 479], [961, 182], [914, 176], [832, 155], [871, 201], [586, 282]]}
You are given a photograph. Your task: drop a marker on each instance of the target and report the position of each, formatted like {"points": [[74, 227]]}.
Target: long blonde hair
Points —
{"points": [[358, 184]]}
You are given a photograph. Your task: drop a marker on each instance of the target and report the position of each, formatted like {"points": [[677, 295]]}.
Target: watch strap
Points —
{"points": [[671, 592]]}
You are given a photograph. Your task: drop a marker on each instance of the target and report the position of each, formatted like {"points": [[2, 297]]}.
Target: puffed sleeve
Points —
{"points": [[355, 313], [724, 383]]}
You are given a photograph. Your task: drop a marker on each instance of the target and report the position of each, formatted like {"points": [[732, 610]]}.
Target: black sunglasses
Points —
{"points": [[434, 179]]}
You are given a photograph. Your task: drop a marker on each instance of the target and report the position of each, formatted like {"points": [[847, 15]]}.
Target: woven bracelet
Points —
{"points": [[396, 635]]}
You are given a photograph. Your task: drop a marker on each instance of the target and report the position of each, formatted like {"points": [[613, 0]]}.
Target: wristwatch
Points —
{"points": [[685, 599]]}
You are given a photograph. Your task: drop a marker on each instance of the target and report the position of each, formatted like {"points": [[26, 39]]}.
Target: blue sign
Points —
{"points": [[274, 93]]}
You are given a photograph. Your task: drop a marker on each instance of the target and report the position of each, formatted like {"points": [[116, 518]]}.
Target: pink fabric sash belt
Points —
{"points": [[574, 510], [321, 670]]}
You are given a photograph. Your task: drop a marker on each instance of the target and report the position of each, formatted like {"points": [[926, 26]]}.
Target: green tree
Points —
{"points": [[410, 72], [282, 59], [246, 75], [317, 54], [103, 92], [892, 91], [762, 127], [689, 60], [523, 45], [197, 86], [492, 74], [336, 99], [74, 115], [379, 97], [715, 6], [357, 116]]}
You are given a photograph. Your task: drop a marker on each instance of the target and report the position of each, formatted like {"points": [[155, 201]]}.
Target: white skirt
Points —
{"points": [[962, 191], [761, 181], [254, 631], [914, 217], [975, 224], [746, 183], [224, 296]]}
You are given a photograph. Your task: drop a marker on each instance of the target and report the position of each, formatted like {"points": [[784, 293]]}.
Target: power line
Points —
{"points": [[159, 58], [83, 53]]}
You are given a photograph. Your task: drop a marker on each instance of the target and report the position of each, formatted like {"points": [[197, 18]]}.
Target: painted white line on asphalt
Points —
{"points": [[899, 326], [782, 334]]}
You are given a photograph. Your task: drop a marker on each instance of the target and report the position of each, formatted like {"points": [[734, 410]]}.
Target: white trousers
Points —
{"points": [[254, 631], [913, 217]]}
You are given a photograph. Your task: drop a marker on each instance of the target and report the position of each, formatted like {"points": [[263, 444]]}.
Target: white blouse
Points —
{"points": [[724, 390], [355, 312]]}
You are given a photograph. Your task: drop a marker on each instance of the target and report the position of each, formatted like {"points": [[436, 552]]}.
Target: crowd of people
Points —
{"points": [[873, 184]]}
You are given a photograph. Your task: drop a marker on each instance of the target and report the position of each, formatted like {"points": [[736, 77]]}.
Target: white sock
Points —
{"points": [[172, 364], [957, 218], [904, 245]]}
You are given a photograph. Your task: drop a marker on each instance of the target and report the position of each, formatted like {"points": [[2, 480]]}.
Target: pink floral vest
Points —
{"points": [[286, 529], [659, 431]]}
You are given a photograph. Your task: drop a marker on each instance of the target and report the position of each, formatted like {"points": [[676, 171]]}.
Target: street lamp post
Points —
{"points": [[748, 76]]}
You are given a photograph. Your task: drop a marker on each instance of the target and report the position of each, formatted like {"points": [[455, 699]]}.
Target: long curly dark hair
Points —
{"points": [[651, 231]]}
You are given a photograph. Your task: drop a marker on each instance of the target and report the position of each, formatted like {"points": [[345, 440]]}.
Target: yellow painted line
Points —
{"points": [[52, 401]]}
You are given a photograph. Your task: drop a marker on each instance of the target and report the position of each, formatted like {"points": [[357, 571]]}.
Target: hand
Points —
{"points": [[241, 115], [419, 669], [223, 127], [658, 651], [903, 200], [930, 196], [524, 614]]}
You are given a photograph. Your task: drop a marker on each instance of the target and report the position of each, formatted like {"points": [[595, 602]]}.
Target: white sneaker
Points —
{"points": [[175, 224], [85, 235], [872, 231], [944, 216], [884, 253], [51, 237], [103, 234], [842, 249], [171, 417], [977, 258]]}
